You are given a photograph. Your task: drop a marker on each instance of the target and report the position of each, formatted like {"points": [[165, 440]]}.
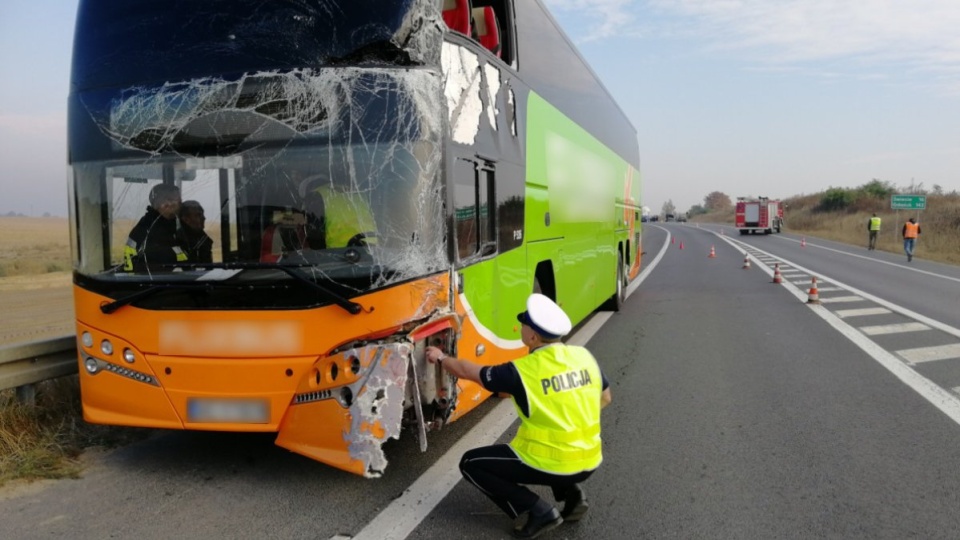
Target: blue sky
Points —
{"points": [[746, 97]]}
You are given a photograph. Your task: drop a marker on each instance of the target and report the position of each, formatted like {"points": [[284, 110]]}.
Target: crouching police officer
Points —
{"points": [[558, 390]]}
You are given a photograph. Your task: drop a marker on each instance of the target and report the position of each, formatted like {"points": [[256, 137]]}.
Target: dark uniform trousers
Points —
{"points": [[498, 473]]}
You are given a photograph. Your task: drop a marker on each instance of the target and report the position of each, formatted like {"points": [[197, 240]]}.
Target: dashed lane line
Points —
{"points": [[862, 312], [841, 299], [931, 354], [884, 329]]}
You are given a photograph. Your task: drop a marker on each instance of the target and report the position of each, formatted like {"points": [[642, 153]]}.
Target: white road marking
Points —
{"points": [[883, 329], [827, 289], [931, 354], [837, 299], [844, 313], [948, 403]]}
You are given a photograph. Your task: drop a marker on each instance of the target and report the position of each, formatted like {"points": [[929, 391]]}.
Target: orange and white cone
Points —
{"points": [[681, 245], [813, 297], [713, 253], [673, 239], [777, 277], [803, 242], [746, 263]]}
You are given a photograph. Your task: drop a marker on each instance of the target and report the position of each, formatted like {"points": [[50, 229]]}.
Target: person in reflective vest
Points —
{"points": [[335, 218], [873, 226], [911, 231], [154, 243], [558, 391]]}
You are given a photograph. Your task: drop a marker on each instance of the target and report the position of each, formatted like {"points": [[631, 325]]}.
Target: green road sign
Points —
{"points": [[908, 202]]}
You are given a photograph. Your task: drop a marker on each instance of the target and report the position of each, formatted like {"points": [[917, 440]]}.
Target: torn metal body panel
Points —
{"points": [[382, 387]]}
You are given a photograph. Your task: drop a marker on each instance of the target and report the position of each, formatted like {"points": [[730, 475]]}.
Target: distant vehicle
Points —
{"points": [[681, 218], [758, 215], [669, 217], [654, 218]]}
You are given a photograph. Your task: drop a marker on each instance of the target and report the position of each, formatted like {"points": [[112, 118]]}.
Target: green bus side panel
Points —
{"points": [[580, 203]]}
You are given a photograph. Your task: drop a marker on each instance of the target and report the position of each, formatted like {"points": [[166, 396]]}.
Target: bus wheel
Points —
{"points": [[620, 295]]}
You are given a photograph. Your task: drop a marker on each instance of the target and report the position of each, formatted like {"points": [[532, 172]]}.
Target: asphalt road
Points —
{"points": [[739, 411]]}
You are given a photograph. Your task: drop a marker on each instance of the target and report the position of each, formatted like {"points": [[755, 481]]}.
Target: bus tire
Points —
{"points": [[615, 302]]}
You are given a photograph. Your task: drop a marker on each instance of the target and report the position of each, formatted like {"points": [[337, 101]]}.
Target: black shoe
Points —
{"points": [[909, 258], [575, 507], [537, 525]]}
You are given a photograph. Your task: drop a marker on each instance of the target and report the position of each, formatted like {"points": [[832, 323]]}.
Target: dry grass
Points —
{"points": [[940, 223], [32, 246], [45, 440]]}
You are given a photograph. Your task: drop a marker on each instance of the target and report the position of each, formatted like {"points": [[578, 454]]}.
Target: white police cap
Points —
{"points": [[545, 317]]}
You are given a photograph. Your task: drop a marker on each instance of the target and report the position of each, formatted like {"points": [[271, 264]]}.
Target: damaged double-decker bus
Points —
{"points": [[376, 177]]}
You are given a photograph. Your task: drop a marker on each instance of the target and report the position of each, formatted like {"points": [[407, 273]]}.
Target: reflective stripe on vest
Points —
{"points": [[562, 434], [874, 224], [911, 230]]}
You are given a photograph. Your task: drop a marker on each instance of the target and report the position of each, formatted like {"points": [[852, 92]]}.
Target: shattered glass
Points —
{"points": [[334, 170]]}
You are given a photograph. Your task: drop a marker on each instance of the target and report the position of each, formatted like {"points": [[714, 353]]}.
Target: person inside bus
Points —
{"points": [[198, 245], [558, 391], [153, 242], [286, 233], [335, 218]]}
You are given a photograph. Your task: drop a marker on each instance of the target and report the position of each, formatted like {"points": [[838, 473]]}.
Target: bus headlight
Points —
{"points": [[86, 339], [93, 367], [106, 347], [129, 356]]}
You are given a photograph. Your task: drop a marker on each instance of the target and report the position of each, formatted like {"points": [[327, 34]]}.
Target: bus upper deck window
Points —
{"points": [[456, 13], [487, 28]]}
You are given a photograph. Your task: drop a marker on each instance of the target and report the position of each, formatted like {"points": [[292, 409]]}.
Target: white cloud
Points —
{"points": [[607, 18], [916, 36], [866, 36]]}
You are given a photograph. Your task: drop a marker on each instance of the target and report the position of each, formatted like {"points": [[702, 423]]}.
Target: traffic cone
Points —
{"points": [[681, 245], [803, 242], [673, 240], [713, 253], [777, 278], [746, 262], [813, 297]]}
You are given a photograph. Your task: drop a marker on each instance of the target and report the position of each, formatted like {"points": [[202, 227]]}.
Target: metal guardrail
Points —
{"points": [[24, 365]]}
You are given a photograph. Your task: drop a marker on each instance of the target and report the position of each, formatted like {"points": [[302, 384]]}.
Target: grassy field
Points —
{"points": [[31, 246]]}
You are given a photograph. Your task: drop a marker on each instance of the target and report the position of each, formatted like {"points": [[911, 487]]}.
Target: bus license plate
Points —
{"points": [[236, 411]]}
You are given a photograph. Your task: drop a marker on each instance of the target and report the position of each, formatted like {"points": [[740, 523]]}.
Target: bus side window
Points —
{"points": [[487, 28], [456, 13], [474, 212]]}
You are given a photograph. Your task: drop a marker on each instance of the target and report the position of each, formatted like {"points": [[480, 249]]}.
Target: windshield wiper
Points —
{"points": [[140, 295], [350, 306]]}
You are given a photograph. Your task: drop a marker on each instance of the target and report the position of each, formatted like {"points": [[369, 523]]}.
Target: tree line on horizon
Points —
{"points": [[832, 199]]}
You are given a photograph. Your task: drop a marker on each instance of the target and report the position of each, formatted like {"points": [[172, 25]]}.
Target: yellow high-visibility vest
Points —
{"points": [[562, 434], [346, 215], [874, 224]]}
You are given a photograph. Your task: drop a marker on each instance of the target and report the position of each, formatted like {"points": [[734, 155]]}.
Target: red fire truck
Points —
{"points": [[758, 215]]}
